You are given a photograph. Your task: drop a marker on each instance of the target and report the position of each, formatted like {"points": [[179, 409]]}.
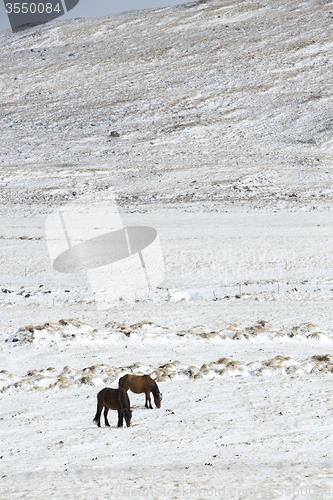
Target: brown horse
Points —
{"points": [[113, 399], [142, 383]]}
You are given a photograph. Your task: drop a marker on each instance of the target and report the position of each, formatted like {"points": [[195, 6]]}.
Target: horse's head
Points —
{"points": [[158, 400], [128, 416]]}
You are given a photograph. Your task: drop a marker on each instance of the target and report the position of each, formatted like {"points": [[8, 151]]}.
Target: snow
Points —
{"points": [[237, 437], [222, 113]]}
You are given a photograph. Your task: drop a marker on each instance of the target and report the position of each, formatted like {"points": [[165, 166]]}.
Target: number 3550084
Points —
{"points": [[32, 8]]}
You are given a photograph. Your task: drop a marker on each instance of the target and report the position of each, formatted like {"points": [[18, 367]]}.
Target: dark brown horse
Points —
{"points": [[113, 399], [142, 383]]}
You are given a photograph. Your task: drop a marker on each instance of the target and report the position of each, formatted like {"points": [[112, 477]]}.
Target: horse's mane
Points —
{"points": [[124, 399], [156, 391]]}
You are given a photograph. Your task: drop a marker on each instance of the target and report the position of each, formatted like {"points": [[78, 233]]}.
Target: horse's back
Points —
{"points": [[141, 382], [108, 391], [136, 383], [109, 397]]}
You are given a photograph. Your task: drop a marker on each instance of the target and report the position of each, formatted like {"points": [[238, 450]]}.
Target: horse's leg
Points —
{"points": [[106, 410], [148, 401], [97, 418], [120, 418]]}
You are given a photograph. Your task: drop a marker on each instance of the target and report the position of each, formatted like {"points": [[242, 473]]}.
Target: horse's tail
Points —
{"points": [[124, 399], [98, 412], [97, 418]]}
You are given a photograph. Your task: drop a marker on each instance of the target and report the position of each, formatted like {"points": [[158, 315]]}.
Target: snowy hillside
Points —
{"points": [[219, 105], [210, 122]]}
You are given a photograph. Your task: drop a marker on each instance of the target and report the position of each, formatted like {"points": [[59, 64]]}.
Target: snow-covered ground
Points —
{"points": [[212, 123]]}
